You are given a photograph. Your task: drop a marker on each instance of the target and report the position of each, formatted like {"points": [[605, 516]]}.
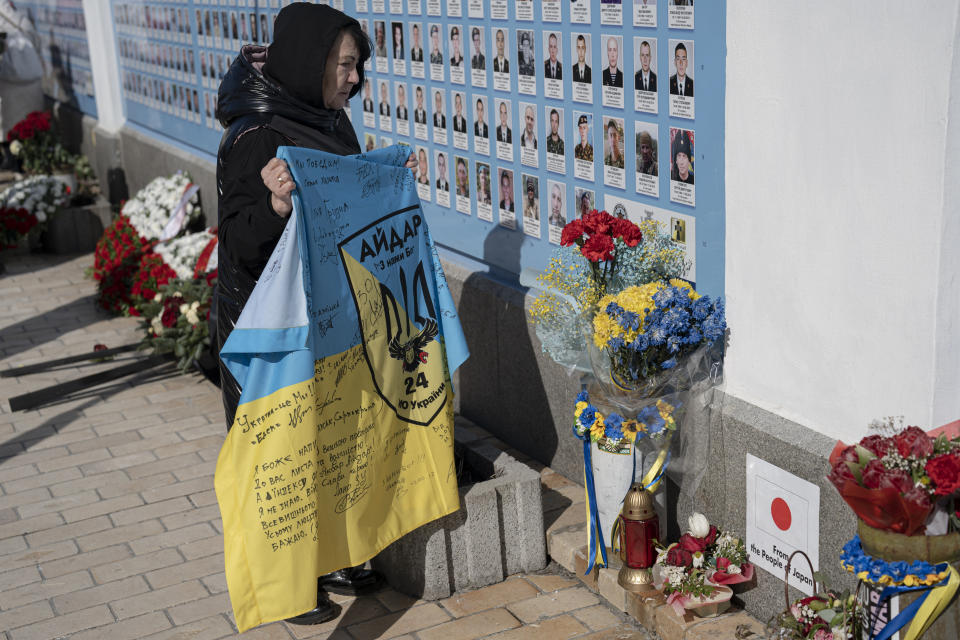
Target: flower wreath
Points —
{"points": [[899, 573], [614, 433]]}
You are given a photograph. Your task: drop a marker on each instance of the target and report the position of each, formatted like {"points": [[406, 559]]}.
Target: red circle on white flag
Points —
{"points": [[780, 511]]}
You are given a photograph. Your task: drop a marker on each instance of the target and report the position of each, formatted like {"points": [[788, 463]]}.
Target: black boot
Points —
{"points": [[324, 612], [352, 581]]}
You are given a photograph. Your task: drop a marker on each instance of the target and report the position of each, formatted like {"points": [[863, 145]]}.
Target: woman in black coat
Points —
{"points": [[290, 93]]}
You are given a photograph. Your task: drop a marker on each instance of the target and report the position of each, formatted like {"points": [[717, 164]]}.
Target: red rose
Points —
{"points": [[572, 232], [944, 471], [850, 454], [877, 445], [598, 247], [839, 475], [918, 497], [913, 441], [678, 557], [876, 476], [692, 544], [169, 317]]}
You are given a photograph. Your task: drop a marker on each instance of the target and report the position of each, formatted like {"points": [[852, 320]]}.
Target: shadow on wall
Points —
{"points": [[501, 386], [69, 121]]}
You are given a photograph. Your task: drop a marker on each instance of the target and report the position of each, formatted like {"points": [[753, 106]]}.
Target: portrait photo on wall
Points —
{"points": [[682, 156], [557, 213], [556, 158], [681, 79], [645, 74], [612, 76], [505, 186], [481, 129], [401, 112], [504, 130], [460, 138], [386, 118], [365, 27], [580, 71], [647, 180], [423, 173], [530, 192], [455, 48], [380, 45], [584, 201], [501, 61], [461, 172], [436, 52], [528, 135], [368, 106], [442, 181], [398, 52], [419, 112], [583, 151], [478, 58], [526, 62], [613, 171], [553, 65], [484, 198], [416, 49], [439, 117]]}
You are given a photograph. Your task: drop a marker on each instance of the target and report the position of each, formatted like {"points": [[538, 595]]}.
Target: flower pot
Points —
{"points": [[896, 546]]}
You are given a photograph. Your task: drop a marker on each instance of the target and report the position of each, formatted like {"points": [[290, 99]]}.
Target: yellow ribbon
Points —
{"points": [[934, 605]]}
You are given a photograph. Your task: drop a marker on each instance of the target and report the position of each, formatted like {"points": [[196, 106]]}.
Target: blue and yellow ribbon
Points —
{"points": [[596, 549]]}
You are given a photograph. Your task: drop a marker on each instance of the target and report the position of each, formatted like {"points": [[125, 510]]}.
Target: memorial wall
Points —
{"points": [[522, 113]]}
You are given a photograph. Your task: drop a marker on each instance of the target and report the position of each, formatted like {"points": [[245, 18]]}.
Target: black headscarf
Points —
{"points": [[302, 38]]}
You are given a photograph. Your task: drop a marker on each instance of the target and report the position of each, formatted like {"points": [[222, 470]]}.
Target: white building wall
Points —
{"points": [[836, 159]]}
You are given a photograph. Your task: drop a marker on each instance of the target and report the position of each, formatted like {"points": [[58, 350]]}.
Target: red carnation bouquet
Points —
{"points": [[595, 234], [897, 482], [35, 142]]}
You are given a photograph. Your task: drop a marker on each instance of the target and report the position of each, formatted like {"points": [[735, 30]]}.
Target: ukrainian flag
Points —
{"points": [[343, 438]]}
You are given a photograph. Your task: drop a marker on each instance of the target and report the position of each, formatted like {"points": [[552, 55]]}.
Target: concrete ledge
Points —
{"points": [[497, 532]]}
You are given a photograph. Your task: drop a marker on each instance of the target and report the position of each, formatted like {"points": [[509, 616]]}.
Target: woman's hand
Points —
{"points": [[412, 163], [276, 177]]}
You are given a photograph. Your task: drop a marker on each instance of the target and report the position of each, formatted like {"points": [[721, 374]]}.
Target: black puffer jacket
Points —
{"points": [[259, 115]]}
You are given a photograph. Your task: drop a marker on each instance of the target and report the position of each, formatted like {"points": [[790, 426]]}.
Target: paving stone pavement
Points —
{"points": [[109, 527]]}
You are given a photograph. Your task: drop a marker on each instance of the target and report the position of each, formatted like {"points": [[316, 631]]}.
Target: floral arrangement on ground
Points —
{"points": [[824, 616], [38, 146], [40, 195], [175, 319], [705, 561], [165, 207], [14, 225]]}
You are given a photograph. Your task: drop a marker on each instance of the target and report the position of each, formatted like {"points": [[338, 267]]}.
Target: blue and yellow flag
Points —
{"points": [[343, 439]]}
